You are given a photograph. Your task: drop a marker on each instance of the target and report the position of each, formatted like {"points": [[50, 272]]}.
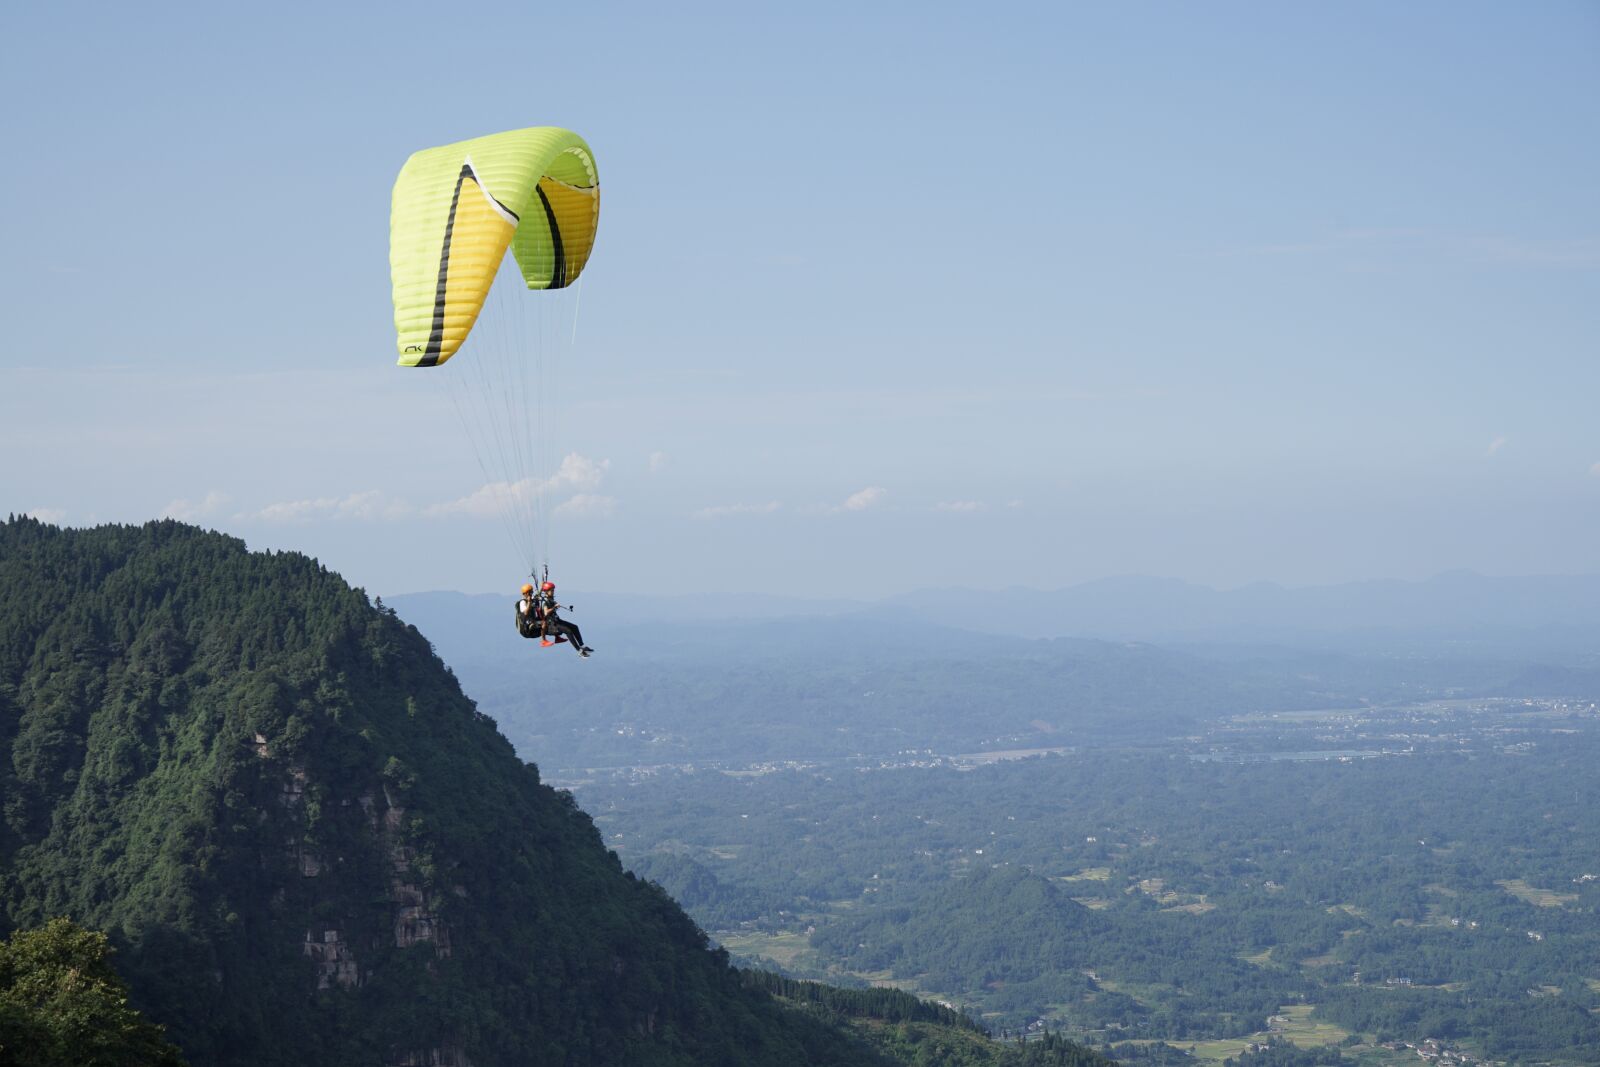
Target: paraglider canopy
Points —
{"points": [[457, 208]]}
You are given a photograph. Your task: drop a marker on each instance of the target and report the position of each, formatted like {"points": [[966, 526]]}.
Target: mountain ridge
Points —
{"points": [[307, 844]]}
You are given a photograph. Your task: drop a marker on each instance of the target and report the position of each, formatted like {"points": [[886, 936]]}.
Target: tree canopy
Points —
{"points": [[63, 1005]]}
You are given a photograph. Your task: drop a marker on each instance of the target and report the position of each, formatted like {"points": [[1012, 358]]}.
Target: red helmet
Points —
{"points": [[548, 587]]}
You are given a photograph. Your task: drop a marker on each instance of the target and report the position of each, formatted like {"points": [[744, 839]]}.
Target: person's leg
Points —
{"points": [[573, 635]]}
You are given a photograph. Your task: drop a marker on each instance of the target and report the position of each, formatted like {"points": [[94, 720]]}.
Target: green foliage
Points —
{"points": [[888, 1005], [1276, 1053], [906, 1030], [996, 926], [1219, 892], [62, 1005]]}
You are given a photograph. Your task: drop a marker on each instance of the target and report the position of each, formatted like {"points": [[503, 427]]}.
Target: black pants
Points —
{"points": [[559, 627]]}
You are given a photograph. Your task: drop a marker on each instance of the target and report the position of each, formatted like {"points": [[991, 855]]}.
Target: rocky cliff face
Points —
{"points": [[309, 845]]}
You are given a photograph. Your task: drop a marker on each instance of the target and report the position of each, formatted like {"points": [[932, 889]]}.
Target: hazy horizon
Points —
{"points": [[811, 595]]}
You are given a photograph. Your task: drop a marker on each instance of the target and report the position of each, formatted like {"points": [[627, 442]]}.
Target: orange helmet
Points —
{"points": [[526, 588], [548, 587]]}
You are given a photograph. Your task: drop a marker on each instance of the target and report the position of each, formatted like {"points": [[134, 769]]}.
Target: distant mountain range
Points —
{"points": [[1163, 609], [1457, 611], [745, 679]]}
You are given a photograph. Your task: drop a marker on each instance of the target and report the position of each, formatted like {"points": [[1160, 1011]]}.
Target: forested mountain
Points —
{"points": [[307, 844]]}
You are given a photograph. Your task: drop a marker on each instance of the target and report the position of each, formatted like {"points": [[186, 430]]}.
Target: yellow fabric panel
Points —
{"points": [[576, 211], [478, 238]]}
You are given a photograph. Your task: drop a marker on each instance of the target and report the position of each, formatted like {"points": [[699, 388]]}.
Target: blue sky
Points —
{"points": [[885, 296]]}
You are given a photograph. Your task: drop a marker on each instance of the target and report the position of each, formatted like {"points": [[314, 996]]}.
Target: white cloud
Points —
{"points": [[485, 502], [372, 504], [194, 510], [863, 500], [295, 510], [1595, 470], [1496, 445], [960, 505], [54, 516], [369, 504], [658, 461], [577, 472], [725, 510], [588, 506]]}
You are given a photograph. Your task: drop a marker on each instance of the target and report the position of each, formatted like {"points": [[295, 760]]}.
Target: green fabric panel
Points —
{"points": [[532, 245]]}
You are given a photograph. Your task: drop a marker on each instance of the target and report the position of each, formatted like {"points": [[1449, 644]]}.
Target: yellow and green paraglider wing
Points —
{"points": [[455, 210]]}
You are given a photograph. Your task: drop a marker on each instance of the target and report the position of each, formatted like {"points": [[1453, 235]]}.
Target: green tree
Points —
{"points": [[63, 1005]]}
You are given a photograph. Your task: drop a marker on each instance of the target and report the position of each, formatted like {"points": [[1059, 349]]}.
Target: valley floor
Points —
{"points": [[1404, 881]]}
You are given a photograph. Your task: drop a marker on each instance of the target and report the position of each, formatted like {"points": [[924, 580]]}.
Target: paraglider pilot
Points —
{"points": [[527, 615], [537, 616]]}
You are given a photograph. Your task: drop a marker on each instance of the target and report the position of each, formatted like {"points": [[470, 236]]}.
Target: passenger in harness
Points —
{"points": [[537, 616]]}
